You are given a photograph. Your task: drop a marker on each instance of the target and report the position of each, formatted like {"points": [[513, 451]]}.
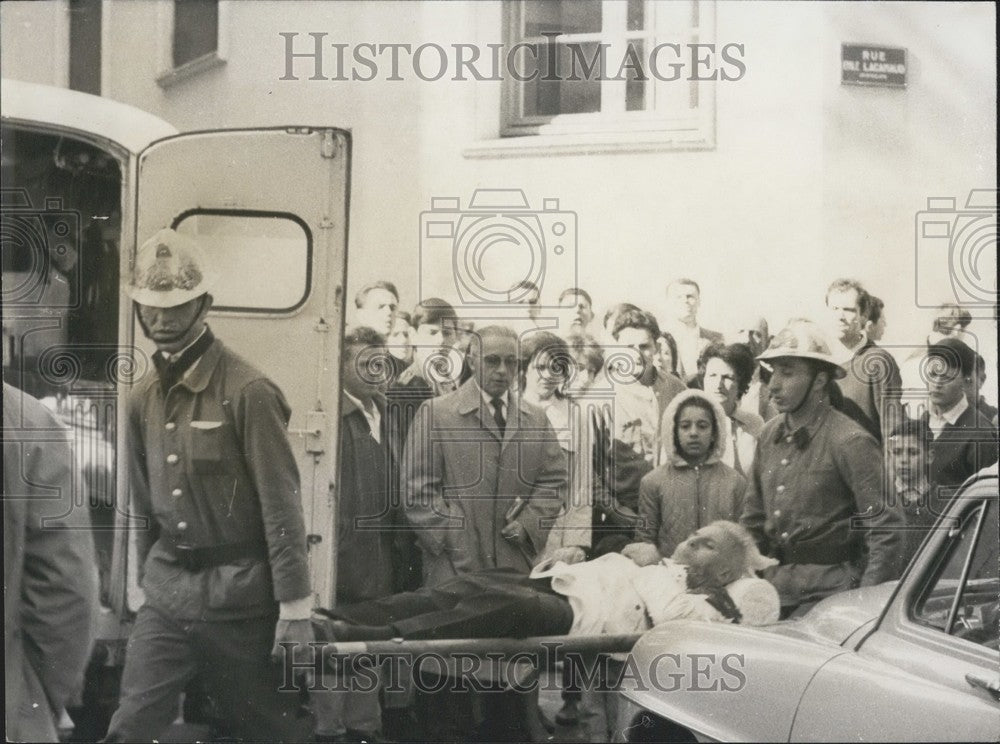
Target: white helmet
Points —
{"points": [[170, 269]]}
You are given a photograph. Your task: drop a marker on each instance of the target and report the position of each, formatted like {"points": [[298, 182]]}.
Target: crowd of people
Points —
{"points": [[511, 477]]}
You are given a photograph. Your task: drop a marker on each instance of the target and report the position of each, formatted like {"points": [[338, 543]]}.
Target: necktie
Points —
{"points": [[498, 415]]}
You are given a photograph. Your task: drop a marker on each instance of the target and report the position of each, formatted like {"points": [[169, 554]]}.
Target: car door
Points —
{"points": [[926, 673], [269, 206]]}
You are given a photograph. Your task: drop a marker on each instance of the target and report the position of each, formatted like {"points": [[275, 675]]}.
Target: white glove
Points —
{"points": [[642, 553]]}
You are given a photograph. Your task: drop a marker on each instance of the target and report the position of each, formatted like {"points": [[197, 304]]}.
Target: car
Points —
{"points": [[910, 660]]}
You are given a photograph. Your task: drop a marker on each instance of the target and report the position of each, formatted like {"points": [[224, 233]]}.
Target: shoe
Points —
{"points": [[569, 714]]}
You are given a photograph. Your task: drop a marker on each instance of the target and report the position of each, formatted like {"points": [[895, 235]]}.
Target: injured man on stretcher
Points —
{"points": [[711, 576]]}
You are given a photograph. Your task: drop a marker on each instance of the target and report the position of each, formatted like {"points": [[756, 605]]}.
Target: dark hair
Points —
{"points": [[404, 316], [956, 354], [362, 295], [636, 319], [875, 311], [917, 428], [951, 316], [544, 342], [737, 356], [684, 280], [615, 310], [671, 343], [363, 336], [576, 291], [432, 311], [846, 285], [698, 402], [586, 349]]}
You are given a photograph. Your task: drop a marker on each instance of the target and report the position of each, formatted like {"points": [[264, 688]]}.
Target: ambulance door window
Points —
{"points": [[263, 259]]}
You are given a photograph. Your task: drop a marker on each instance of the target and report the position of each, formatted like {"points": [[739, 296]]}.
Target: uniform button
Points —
{"points": [[788, 439], [781, 489], [784, 461], [176, 492], [170, 426], [172, 459], [182, 526], [777, 512], [784, 535]]}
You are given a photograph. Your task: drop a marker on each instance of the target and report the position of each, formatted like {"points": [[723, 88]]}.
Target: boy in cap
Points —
{"points": [[222, 555], [815, 470]]}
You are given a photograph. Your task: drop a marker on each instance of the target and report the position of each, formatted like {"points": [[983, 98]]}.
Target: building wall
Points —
{"points": [[809, 179]]}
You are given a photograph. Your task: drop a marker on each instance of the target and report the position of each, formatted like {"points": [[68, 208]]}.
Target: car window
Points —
{"points": [[962, 597]]}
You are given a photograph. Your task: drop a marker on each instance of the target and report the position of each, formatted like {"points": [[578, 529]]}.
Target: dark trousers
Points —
{"points": [[233, 659], [487, 604]]}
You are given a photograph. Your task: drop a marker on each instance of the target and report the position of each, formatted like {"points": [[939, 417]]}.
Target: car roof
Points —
{"points": [[128, 126]]}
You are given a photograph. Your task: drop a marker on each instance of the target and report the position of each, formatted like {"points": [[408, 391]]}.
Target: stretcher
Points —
{"points": [[487, 664]]}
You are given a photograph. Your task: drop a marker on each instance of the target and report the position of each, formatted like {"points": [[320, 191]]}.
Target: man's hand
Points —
{"points": [[642, 553], [300, 633], [570, 554]]}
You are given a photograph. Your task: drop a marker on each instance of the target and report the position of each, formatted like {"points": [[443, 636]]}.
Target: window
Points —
{"points": [[193, 38], [606, 66], [262, 260], [85, 46], [962, 598], [196, 29]]}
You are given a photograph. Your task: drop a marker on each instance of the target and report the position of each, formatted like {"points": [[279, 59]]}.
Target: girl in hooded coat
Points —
{"points": [[694, 487]]}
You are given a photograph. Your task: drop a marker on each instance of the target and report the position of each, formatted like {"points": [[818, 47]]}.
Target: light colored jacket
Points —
{"points": [[460, 479], [571, 422], [49, 571], [676, 499]]}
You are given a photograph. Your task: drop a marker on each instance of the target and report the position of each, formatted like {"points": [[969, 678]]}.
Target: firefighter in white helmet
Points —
{"points": [[222, 555], [815, 500]]}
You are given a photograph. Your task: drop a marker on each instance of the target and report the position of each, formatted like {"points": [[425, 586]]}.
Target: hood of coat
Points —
{"points": [[670, 415]]}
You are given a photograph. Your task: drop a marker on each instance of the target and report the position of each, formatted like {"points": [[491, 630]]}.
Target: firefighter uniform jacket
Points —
{"points": [[212, 472]]}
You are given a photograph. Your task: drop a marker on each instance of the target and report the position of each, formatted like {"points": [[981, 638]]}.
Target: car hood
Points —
{"points": [[835, 619]]}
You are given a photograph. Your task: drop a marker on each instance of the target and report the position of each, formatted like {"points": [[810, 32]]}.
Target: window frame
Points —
{"points": [[255, 213], [171, 75], [648, 129]]}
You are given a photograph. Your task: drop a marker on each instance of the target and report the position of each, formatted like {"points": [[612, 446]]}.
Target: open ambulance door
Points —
{"points": [[270, 208]]}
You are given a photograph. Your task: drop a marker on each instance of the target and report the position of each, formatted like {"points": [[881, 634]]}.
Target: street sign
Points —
{"points": [[865, 64]]}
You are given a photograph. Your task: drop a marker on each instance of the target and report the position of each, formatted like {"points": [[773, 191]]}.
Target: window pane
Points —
{"points": [[978, 610], [933, 606], [261, 261], [562, 17], [636, 15], [636, 76], [567, 82], [196, 29]]}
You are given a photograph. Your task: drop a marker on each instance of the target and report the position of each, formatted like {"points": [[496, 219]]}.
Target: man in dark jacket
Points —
{"points": [[369, 521], [965, 441], [872, 381], [49, 571], [222, 553]]}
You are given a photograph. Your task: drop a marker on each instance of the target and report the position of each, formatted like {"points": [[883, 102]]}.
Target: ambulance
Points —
{"points": [[85, 180]]}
